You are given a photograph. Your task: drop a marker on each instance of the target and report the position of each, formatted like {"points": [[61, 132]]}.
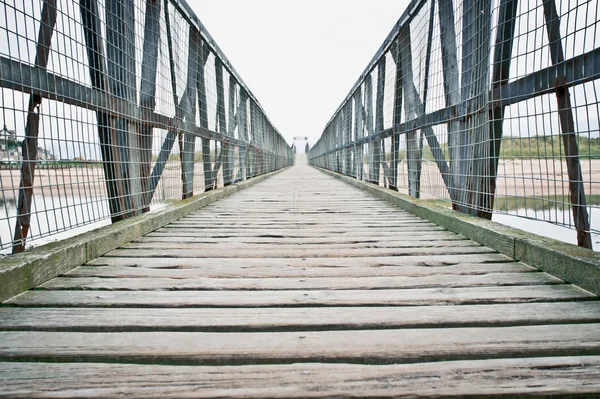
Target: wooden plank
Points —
{"points": [[370, 262], [335, 233], [375, 346], [304, 283], [301, 214], [250, 231], [275, 239], [309, 226], [408, 297], [146, 268], [299, 222], [295, 319], [354, 247], [552, 376], [357, 218], [296, 253]]}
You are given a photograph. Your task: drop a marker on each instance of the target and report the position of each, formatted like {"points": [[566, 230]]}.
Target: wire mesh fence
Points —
{"points": [[110, 107], [490, 106]]}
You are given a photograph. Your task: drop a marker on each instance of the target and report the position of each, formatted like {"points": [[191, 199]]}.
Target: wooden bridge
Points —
{"points": [[257, 279], [301, 286]]}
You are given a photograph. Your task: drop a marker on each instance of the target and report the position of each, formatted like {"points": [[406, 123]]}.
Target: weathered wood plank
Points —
{"points": [[249, 264], [313, 231], [206, 238], [373, 346], [294, 319], [406, 297], [552, 376], [290, 246], [274, 252], [310, 283], [303, 222], [176, 270]]}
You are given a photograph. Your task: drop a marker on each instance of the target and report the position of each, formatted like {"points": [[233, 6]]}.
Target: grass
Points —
{"points": [[546, 147], [546, 203], [551, 202], [529, 148]]}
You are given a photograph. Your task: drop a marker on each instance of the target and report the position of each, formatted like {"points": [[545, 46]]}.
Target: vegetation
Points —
{"points": [[550, 202], [547, 147], [559, 203], [532, 147]]}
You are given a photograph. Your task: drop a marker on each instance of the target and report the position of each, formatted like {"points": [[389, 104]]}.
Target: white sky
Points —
{"points": [[300, 59]]}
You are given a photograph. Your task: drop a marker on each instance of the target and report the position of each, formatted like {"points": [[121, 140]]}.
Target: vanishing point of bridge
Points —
{"points": [[222, 264]]}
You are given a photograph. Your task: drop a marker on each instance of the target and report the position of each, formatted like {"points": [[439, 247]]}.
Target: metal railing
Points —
{"points": [[109, 106], [490, 105]]}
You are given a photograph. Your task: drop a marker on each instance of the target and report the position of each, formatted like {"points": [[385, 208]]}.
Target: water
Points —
{"points": [[547, 229], [56, 218]]}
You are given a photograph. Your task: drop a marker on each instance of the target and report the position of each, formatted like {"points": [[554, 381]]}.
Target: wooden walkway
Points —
{"points": [[301, 287]]}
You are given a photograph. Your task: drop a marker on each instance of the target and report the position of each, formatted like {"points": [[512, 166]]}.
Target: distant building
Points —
{"points": [[45, 155], [10, 150]]}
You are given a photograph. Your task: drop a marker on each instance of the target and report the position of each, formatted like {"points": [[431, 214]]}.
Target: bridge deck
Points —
{"points": [[301, 287]]}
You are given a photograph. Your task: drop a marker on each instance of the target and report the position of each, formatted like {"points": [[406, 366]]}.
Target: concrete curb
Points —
{"points": [[20, 272], [569, 262]]}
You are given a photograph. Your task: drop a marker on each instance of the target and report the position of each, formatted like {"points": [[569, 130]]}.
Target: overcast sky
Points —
{"points": [[300, 59]]}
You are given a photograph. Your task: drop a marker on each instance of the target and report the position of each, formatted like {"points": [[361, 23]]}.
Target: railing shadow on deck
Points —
{"points": [[124, 104], [490, 106]]}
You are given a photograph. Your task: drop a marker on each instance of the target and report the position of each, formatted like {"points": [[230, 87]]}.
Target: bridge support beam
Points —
{"points": [[413, 151], [568, 134], [120, 160], [30, 143], [148, 94]]}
